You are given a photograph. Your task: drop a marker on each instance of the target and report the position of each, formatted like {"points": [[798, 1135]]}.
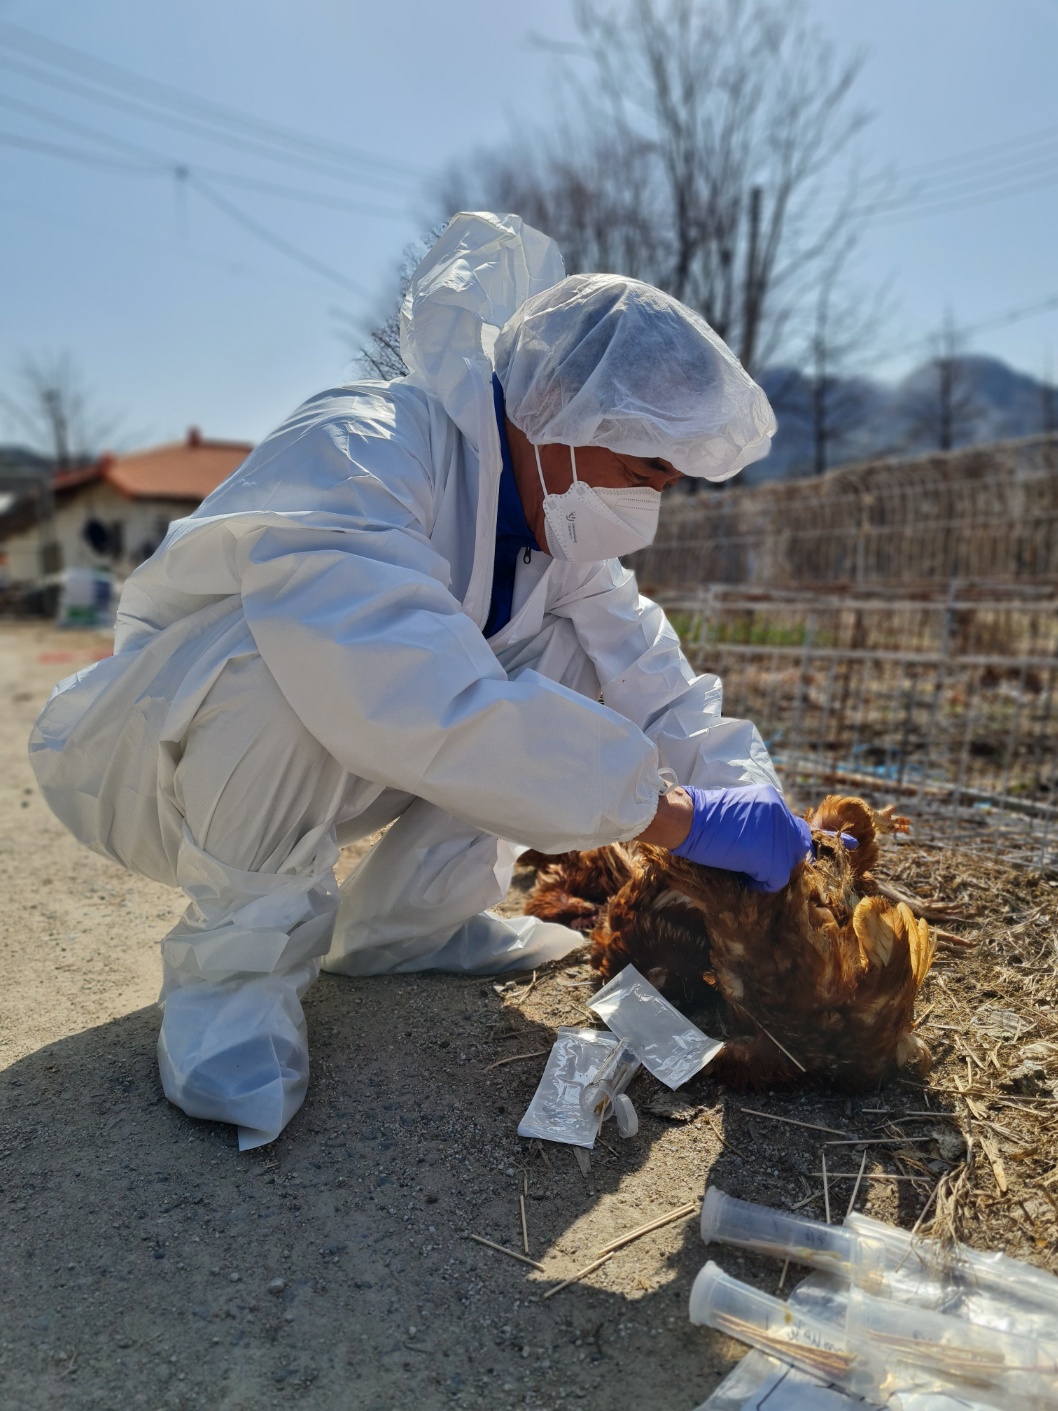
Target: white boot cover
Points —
{"points": [[233, 1045]]}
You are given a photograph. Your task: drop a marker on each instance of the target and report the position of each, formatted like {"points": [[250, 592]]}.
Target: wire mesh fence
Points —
{"points": [[946, 702]]}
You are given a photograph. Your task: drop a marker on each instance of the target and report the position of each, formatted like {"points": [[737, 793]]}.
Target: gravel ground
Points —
{"points": [[148, 1264]]}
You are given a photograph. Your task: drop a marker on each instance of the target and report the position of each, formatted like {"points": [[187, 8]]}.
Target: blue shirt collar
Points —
{"points": [[511, 524], [513, 535]]}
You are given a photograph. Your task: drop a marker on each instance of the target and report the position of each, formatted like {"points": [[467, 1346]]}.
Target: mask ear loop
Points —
{"points": [[540, 472], [540, 468]]}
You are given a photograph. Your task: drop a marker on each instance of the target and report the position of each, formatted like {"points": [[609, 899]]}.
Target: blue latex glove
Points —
{"points": [[849, 839], [747, 830]]}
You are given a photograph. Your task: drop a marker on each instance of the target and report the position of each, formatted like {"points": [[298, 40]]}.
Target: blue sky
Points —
{"points": [[177, 313]]}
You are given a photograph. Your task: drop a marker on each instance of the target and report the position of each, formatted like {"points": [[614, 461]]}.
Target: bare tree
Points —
{"points": [[376, 347], [379, 354], [1049, 416], [823, 396], [844, 328], [691, 152], [945, 408], [53, 409]]}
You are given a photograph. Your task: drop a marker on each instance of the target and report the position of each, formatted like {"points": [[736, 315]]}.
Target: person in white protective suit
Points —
{"points": [[406, 608]]}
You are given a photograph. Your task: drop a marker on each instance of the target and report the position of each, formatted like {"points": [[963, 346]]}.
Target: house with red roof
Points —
{"points": [[112, 513]]}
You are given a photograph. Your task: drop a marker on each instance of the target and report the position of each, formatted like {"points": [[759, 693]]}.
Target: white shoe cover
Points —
{"points": [[238, 1052]]}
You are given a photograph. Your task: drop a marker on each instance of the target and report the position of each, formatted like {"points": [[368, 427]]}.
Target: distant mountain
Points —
{"points": [[985, 401], [19, 466]]}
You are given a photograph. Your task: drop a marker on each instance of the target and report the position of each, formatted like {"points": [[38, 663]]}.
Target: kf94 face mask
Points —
{"points": [[587, 525]]}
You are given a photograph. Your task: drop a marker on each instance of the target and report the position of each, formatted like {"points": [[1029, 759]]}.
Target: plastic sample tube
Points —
{"points": [[995, 1366], [870, 1357], [819, 1348], [605, 1094], [728, 1220], [960, 1270], [990, 1290]]}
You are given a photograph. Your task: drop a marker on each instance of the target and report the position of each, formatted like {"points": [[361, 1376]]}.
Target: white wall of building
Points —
{"points": [[142, 523]]}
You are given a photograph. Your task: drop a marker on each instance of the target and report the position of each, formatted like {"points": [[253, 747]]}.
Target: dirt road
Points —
{"points": [[143, 1255], [146, 1263]]}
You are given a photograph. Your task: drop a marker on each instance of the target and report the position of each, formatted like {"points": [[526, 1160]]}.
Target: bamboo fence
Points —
{"points": [[989, 513]]}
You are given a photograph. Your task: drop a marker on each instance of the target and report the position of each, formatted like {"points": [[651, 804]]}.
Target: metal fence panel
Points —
{"points": [[947, 702]]}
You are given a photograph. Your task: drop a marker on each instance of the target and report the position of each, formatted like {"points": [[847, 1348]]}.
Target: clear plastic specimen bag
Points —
{"points": [[665, 1042]]}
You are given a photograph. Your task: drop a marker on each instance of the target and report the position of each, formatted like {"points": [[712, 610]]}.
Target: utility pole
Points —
{"points": [[820, 388], [946, 386], [820, 423], [50, 551], [751, 296]]}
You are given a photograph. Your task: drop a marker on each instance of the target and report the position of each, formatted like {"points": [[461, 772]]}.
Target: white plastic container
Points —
{"points": [[86, 598]]}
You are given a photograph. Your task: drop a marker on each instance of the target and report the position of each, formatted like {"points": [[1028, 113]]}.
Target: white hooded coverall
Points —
{"points": [[302, 661]]}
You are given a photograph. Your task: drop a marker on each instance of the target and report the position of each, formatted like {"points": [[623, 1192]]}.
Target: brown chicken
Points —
{"points": [[817, 980], [574, 888]]}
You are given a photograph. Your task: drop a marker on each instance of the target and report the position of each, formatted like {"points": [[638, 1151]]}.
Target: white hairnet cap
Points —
{"points": [[600, 360]]}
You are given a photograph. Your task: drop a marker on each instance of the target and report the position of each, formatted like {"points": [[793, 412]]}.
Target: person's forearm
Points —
{"points": [[672, 822]]}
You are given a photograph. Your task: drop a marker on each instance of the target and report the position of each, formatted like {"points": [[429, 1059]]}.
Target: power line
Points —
{"points": [[952, 183], [1001, 320], [944, 169], [293, 193], [195, 127], [1026, 172], [151, 164], [984, 173], [226, 207], [270, 238], [1029, 174], [980, 198], [990, 155], [54, 149], [121, 235], [1015, 315], [170, 165], [106, 74]]}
